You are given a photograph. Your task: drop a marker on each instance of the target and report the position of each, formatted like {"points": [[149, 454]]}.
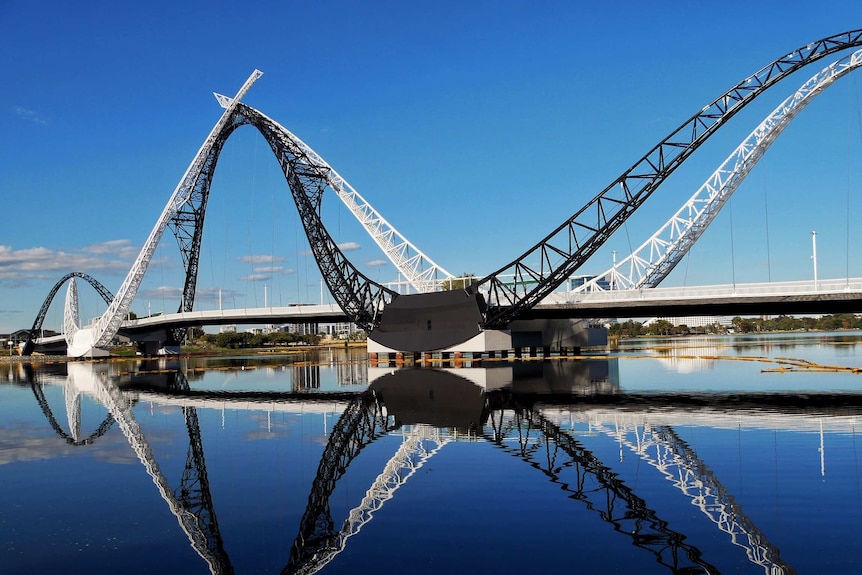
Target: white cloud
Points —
{"points": [[255, 277], [29, 115], [19, 267], [267, 269], [260, 259], [349, 246], [119, 248], [163, 292], [376, 263], [211, 295]]}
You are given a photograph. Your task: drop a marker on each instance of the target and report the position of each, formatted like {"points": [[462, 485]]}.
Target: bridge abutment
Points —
{"points": [[524, 338]]}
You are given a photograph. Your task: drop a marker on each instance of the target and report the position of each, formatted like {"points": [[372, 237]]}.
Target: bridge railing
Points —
{"points": [[789, 288]]}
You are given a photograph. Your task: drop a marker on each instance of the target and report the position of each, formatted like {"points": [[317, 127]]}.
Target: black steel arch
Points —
{"points": [[43, 311], [361, 423], [558, 255], [187, 224], [361, 298], [572, 243], [39, 393], [578, 472]]}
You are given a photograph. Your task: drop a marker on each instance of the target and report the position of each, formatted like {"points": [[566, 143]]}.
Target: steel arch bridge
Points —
{"points": [[492, 303]]}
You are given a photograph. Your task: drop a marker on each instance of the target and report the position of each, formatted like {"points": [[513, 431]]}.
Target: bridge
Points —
{"points": [[502, 309], [536, 428]]}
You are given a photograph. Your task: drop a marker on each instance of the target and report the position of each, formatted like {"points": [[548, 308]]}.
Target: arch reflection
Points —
{"points": [[525, 417]]}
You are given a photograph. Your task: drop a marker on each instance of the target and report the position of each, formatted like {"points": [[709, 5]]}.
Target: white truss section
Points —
{"points": [[673, 240], [71, 315], [85, 379], [107, 325], [417, 268], [411, 456], [73, 410], [701, 487]]}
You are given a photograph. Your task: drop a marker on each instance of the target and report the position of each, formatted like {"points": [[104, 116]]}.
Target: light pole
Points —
{"points": [[814, 256], [11, 345]]}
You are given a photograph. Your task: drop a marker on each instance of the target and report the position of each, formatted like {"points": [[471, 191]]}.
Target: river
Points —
{"points": [[733, 454]]}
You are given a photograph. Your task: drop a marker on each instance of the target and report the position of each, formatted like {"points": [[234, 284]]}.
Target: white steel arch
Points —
{"points": [[655, 258], [417, 268], [84, 379], [90, 340]]}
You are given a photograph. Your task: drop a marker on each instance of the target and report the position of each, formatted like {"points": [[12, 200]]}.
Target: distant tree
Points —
{"points": [[460, 282], [660, 327], [628, 328]]}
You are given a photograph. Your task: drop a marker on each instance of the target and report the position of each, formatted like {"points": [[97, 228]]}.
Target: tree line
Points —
{"points": [[237, 340], [738, 324]]}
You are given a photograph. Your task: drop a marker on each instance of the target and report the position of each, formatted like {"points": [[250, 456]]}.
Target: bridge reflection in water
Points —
{"points": [[537, 412]]}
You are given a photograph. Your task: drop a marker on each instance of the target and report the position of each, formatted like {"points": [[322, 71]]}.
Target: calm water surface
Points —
{"points": [[695, 455]]}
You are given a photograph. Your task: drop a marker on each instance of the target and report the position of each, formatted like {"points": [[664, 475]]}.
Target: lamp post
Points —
{"points": [[814, 256], [11, 345]]}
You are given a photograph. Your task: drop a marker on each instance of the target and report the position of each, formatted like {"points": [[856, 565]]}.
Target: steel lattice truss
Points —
{"points": [[663, 449], [359, 297], [192, 503], [71, 315], [187, 221], [308, 176], [536, 273], [108, 324], [362, 422], [417, 268], [420, 444], [544, 446], [648, 265], [194, 493], [546, 265]]}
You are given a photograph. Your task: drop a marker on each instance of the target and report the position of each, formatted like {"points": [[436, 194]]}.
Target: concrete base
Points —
{"points": [[547, 334], [486, 341], [82, 345], [557, 334]]}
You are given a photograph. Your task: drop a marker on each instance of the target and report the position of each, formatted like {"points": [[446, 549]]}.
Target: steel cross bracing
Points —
{"points": [[107, 325], [566, 462], [359, 297], [547, 264], [194, 492], [307, 175], [187, 222], [414, 451], [416, 267], [362, 422], [664, 450], [648, 265], [195, 515]]}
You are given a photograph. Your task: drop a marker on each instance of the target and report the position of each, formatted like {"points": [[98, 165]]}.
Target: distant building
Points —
{"points": [[310, 328], [695, 321], [341, 330]]}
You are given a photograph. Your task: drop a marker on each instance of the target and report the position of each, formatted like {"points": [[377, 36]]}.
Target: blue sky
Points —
{"points": [[474, 127]]}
